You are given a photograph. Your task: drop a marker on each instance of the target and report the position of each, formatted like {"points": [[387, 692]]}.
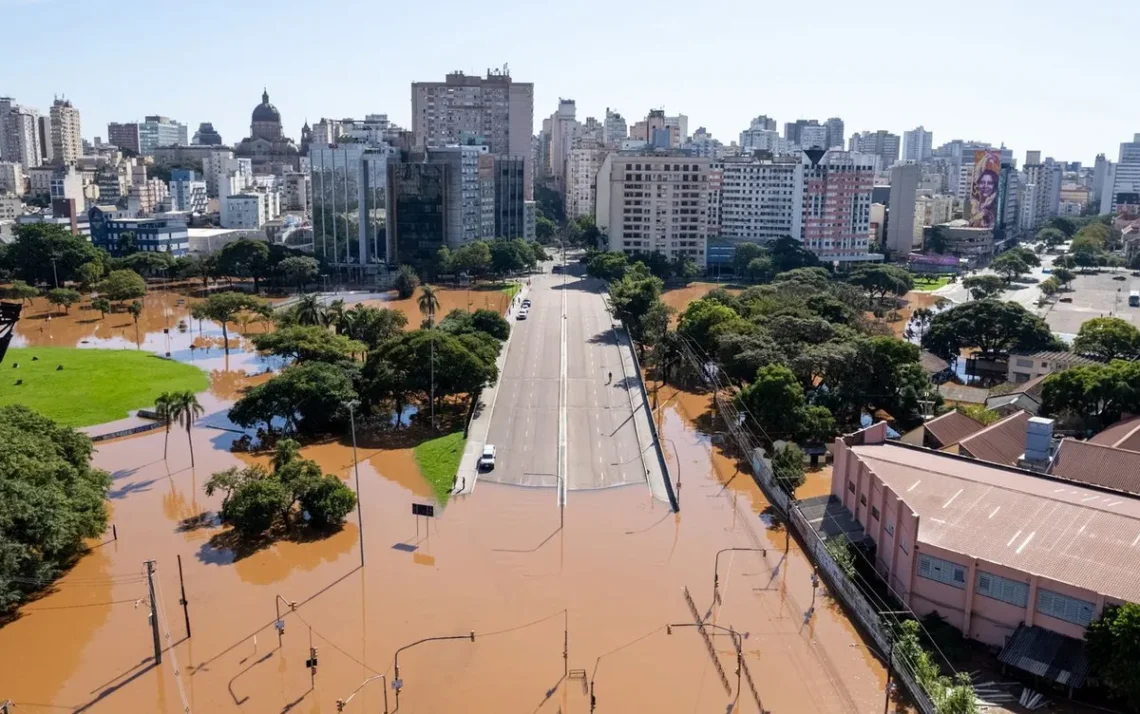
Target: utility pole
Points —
{"points": [[356, 467], [182, 601], [890, 671], [153, 612]]}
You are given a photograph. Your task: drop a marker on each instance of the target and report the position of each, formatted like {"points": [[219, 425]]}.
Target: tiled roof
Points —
{"points": [[1073, 534], [1002, 442], [1124, 434], [1032, 388], [952, 427], [1087, 462]]}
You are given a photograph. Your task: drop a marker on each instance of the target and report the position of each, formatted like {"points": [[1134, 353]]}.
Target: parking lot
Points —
{"points": [[1094, 295]]}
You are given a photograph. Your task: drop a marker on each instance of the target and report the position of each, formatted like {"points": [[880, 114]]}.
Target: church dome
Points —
{"points": [[266, 112]]}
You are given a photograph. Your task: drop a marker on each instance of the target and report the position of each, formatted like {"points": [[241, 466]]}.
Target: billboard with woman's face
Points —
{"points": [[984, 193]]}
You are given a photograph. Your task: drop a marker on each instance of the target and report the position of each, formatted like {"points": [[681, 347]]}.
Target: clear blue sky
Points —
{"points": [[1034, 74]]}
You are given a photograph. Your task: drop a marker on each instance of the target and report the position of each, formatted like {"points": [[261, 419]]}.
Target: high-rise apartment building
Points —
{"points": [[794, 130], [564, 130], [159, 131], [582, 166], [879, 143], [187, 192], [124, 136], [1126, 179], [900, 226], [12, 178], [655, 132], [508, 188], [655, 201], [1100, 173], [20, 134], [66, 139], [494, 107], [761, 198], [47, 150], [1041, 194], [918, 145], [614, 129], [835, 136], [814, 136], [837, 204]]}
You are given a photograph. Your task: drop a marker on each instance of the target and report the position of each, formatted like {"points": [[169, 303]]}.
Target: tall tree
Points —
{"points": [[1010, 266], [1108, 338], [309, 397], [245, 258], [308, 344], [122, 285], [1114, 651], [65, 297], [743, 255], [309, 310], [879, 280], [428, 303], [299, 270], [43, 252], [224, 307], [991, 326], [164, 408], [406, 282], [984, 286], [103, 305]]}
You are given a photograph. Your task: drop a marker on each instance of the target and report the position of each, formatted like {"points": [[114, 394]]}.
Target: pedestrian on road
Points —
{"points": [[611, 378]]}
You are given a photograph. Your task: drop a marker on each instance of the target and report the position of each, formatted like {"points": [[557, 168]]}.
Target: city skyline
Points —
{"points": [[895, 92]]}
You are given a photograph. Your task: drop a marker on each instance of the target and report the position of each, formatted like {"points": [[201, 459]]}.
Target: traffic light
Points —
{"points": [[311, 662]]}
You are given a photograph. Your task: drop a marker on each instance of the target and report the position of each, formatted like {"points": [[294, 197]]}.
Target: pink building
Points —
{"points": [[996, 550], [837, 204]]}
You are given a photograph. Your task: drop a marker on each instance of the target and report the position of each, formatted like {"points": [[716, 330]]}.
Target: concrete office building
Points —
{"points": [[348, 185], [146, 194], [918, 145], [225, 174], [900, 226], [881, 143], [814, 137], [10, 206], [124, 136], [530, 220], [206, 135], [930, 211], [509, 190], [793, 130], [564, 130], [494, 107], [655, 201], [167, 234], [761, 199], [463, 198], [66, 139], [837, 204], [158, 131], [298, 192], [187, 192], [243, 211], [1041, 195], [1126, 175], [47, 150], [417, 221]]}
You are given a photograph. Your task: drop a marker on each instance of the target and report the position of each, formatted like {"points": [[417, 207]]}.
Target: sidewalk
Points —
{"points": [[468, 472]]}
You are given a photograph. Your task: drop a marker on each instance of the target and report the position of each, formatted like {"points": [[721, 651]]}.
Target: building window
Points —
{"points": [[903, 546], [874, 513], [1063, 607], [1024, 362], [941, 570], [863, 499], [1004, 589], [850, 486], [890, 529]]}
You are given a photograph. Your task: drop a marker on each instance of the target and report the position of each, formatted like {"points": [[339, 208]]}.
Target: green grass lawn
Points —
{"points": [[926, 284], [95, 386], [511, 289], [438, 460]]}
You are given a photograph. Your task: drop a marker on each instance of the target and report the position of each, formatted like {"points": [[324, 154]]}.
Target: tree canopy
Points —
{"points": [[122, 285], [308, 397], [1108, 338], [308, 344], [1113, 641], [992, 326], [879, 280], [224, 307], [1010, 266], [37, 245], [1095, 395], [50, 501], [984, 286], [406, 282]]}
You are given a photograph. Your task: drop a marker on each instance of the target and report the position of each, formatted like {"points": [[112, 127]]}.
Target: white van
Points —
{"points": [[487, 460]]}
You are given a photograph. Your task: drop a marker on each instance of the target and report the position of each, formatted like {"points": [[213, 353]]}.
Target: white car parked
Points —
{"points": [[487, 460]]}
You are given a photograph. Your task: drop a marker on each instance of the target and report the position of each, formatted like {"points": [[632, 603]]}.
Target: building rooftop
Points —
{"points": [[962, 394], [1124, 434], [1082, 536], [1068, 358], [1002, 442], [1097, 465], [952, 427]]}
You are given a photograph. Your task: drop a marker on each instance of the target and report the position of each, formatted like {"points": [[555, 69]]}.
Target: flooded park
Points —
{"points": [[533, 608]]}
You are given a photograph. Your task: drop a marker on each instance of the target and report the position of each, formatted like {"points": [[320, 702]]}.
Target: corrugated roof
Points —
{"points": [[1086, 462], [1124, 434], [1002, 442], [1069, 358], [1074, 534], [962, 393], [1047, 654], [952, 427]]}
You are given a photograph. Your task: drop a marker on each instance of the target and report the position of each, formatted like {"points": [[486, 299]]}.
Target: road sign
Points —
{"points": [[423, 509]]}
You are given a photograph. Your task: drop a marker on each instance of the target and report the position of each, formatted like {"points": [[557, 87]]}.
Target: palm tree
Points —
{"points": [[136, 310], [163, 407], [287, 450], [428, 302], [309, 310], [334, 315], [186, 409]]}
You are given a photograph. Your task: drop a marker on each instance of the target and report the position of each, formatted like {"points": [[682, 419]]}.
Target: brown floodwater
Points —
{"points": [[496, 562], [679, 298], [482, 297]]}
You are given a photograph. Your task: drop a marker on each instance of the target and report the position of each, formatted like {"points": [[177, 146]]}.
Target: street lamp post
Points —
{"points": [[716, 565], [342, 703], [356, 468], [737, 640], [397, 683]]}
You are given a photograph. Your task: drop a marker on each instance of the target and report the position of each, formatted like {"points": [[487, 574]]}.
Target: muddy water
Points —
{"points": [[911, 302], [494, 562], [679, 298], [483, 297]]}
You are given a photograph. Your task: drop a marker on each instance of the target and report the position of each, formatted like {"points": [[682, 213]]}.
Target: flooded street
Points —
{"points": [[496, 562]]}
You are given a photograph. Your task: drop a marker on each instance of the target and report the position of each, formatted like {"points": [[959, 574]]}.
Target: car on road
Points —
{"points": [[487, 460], [522, 314], [526, 303]]}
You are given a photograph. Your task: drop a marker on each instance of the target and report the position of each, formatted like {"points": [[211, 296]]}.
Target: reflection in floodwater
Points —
{"points": [[600, 588]]}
